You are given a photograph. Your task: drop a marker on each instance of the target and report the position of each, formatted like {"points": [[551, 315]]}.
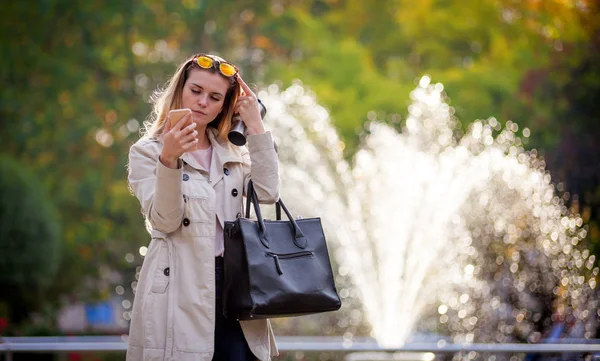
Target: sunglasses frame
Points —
{"points": [[215, 64]]}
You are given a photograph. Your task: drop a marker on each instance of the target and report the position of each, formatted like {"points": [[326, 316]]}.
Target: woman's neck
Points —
{"points": [[203, 141]]}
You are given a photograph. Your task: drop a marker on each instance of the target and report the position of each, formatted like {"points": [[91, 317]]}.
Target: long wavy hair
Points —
{"points": [[170, 97]]}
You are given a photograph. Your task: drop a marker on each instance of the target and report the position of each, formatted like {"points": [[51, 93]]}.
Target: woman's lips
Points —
{"points": [[197, 112]]}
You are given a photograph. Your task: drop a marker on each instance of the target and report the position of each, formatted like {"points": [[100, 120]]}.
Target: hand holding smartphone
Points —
{"points": [[180, 136], [175, 116]]}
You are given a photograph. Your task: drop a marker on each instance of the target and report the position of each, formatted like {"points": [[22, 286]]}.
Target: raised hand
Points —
{"points": [[248, 109], [178, 140]]}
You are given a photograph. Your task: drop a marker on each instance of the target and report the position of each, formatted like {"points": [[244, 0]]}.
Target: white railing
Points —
{"points": [[11, 345]]}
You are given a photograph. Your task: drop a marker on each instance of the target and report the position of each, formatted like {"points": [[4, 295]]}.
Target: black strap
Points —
{"points": [[299, 238], [249, 198]]}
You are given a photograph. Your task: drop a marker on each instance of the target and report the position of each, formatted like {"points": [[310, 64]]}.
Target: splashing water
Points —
{"points": [[470, 224]]}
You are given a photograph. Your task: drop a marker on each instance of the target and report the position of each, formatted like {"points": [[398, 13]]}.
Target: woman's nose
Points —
{"points": [[203, 100]]}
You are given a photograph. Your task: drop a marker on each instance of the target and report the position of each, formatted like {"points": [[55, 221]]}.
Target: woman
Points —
{"points": [[189, 179]]}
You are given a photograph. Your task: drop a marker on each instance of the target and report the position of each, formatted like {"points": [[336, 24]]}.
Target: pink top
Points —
{"points": [[203, 157]]}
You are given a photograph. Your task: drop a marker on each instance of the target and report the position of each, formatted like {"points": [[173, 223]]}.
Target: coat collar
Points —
{"points": [[222, 153]]}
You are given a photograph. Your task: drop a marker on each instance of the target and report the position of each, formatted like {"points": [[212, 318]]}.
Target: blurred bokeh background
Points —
{"points": [[76, 77]]}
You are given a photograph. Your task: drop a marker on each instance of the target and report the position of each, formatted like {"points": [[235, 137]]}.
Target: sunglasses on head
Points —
{"points": [[206, 62]]}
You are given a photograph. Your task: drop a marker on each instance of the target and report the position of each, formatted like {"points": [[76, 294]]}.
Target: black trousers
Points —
{"points": [[230, 344]]}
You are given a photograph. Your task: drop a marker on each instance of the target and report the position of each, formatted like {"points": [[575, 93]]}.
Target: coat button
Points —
{"points": [[186, 222], [234, 192], [226, 171], [186, 177], [167, 271]]}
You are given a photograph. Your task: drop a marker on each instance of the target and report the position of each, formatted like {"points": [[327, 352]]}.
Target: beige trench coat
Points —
{"points": [[173, 313]]}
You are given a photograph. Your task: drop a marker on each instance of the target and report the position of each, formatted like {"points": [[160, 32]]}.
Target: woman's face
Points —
{"points": [[204, 93]]}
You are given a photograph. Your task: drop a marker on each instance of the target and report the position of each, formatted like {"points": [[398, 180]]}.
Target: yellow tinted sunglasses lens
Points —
{"points": [[204, 62], [227, 69]]}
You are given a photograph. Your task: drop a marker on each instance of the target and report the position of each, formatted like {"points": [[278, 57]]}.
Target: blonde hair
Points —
{"points": [[169, 98]]}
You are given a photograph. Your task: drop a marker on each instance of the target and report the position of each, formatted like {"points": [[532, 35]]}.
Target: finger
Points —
{"points": [[188, 138], [189, 145], [185, 132], [189, 128], [168, 125], [247, 102], [238, 107], [245, 87], [239, 103], [248, 98]]}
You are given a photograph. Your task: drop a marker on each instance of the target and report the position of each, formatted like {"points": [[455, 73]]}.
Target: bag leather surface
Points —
{"points": [[276, 268]]}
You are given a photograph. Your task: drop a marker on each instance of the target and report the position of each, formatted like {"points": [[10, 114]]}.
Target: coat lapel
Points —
{"points": [[192, 162], [221, 155]]}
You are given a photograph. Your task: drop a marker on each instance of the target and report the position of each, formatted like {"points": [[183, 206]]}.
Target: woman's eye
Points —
{"points": [[215, 98], [195, 91]]}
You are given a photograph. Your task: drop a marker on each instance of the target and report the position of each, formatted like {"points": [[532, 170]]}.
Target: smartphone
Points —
{"points": [[175, 116]]}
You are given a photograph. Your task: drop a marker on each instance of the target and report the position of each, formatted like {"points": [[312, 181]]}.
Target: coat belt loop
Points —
{"points": [[158, 234]]}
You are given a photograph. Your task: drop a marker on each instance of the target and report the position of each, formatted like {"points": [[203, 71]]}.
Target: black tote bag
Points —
{"points": [[276, 268]]}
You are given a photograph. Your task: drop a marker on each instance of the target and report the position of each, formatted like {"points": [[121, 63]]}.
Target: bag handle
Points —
{"points": [[299, 238], [277, 205]]}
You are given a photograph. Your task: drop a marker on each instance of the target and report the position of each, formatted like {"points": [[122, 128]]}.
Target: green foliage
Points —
{"points": [[29, 239], [76, 86], [563, 102]]}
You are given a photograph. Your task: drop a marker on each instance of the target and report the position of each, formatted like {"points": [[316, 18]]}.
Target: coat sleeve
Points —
{"points": [[157, 187], [262, 166]]}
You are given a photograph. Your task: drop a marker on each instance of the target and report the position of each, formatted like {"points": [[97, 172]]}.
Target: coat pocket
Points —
{"points": [[198, 208], [162, 274], [199, 213]]}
